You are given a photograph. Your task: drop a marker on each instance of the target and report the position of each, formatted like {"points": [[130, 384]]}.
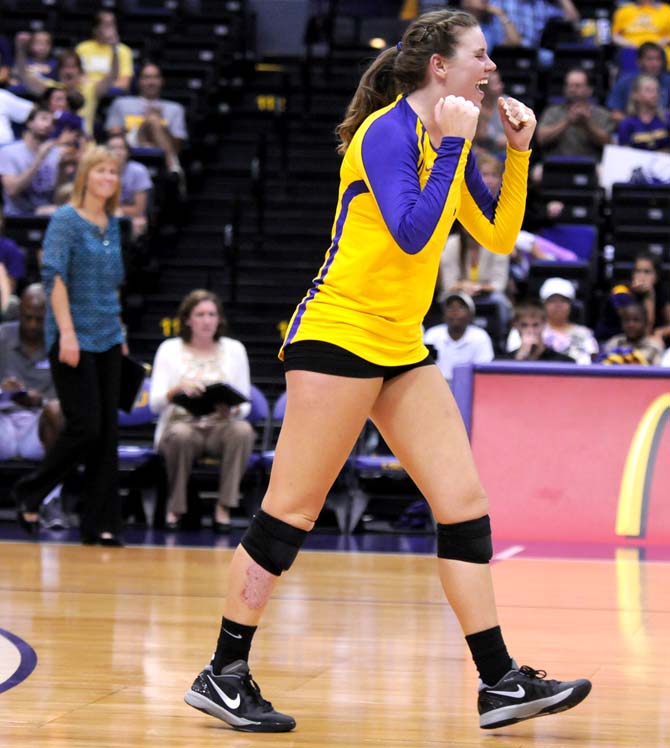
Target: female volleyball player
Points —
{"points": [[354, 350]]}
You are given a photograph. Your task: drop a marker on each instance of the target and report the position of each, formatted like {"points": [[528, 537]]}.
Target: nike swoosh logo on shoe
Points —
{"points": [[518, 694], [230, 703]]}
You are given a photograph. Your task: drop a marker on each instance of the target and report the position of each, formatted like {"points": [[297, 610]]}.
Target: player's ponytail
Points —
{"points": [[402, 69], [376, 89]]}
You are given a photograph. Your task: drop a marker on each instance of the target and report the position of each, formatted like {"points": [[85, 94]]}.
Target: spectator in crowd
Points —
{"points": [[63, 106], [651, 60], [29, 167], [148, 120], [529, 320], [97, 54], [467, 266], [634, 345], [71, 146], [38, 58], [576, 127], [31, 420], [532, 16], [641, 21], [458, 341], [490, 136], [201, 355], [13, 264], [12, 109], [645, 287], [136, 185], [72, 79], [647, 125], [665, 361], [497, 27], [82, 270], [559, 333], [564, 336]]}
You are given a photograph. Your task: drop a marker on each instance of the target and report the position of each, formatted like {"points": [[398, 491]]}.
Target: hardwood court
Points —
{"points": [[360, 648]]}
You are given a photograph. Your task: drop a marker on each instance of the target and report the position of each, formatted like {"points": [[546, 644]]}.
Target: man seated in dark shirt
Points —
{"points": [[29, 413], [30, 416], [529, 320]]}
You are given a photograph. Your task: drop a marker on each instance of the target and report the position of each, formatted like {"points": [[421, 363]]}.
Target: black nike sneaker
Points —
{"points": [[523, 693], [234, 697]]}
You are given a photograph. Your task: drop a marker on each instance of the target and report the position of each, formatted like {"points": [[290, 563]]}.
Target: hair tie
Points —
{"points": [[398, 46]]}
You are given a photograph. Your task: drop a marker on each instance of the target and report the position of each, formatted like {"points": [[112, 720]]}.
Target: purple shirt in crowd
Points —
{"points": [[12, 257], [15, 159], [135, 178]]}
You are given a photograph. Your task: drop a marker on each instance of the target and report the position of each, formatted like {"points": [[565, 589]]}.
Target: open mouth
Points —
{"points": [[480, 85]]}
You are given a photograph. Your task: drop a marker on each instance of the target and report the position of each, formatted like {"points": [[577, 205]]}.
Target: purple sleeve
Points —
{"points": [[391, 165], [13, 258], [478, 189]]}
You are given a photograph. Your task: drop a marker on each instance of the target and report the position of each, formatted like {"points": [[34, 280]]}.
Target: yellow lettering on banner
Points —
{"points": [[639, 469]]}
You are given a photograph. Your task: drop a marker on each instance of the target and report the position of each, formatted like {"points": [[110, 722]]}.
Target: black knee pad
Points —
{"points": [[466, 541], [272, 543]]}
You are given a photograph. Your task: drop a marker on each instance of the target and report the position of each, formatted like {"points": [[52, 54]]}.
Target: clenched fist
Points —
{"points": [[456, 117], [518, 122]]}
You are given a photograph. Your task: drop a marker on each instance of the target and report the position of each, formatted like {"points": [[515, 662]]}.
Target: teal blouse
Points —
{"points": [[90, 264]]}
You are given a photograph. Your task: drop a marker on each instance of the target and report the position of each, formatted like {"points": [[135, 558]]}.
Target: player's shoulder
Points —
{"points": [[395, 122]]}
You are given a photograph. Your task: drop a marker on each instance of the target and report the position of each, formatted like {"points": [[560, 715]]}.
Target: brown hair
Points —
{"points": [[94, 155], [99, 18], [70, 54], [402, 69], [529, 308], [188, 304]]}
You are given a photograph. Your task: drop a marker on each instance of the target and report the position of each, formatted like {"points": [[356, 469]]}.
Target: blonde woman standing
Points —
{"points": [[82, 270]]}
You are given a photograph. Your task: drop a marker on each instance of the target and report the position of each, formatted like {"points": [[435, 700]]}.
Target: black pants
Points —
{"points": [[89, 398]]}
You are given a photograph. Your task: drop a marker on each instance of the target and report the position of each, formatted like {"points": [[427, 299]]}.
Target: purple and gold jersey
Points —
{"points": [[398, 199]]}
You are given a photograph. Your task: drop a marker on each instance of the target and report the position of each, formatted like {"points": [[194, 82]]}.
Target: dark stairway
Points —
{"points": [[260, 224]]}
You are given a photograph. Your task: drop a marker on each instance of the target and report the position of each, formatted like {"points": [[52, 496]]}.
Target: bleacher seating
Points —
{"points": [[252, 116], [569, 173], [640, 217], [629, 241]]}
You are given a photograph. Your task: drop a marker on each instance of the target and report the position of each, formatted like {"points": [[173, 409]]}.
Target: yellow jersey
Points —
{"points": [[649, 22], [398, 199]]}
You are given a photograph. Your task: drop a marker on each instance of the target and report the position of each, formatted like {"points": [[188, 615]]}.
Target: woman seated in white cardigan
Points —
{"points": [[200, 356]]}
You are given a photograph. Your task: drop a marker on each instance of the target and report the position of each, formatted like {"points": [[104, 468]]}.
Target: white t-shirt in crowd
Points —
{"points": [[474, 347], [12, 109]]}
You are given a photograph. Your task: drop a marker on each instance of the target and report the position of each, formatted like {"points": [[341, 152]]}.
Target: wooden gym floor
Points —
{"points": [[359, 647]]}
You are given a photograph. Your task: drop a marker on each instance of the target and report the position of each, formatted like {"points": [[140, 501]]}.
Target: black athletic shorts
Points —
{"points": [[326, 358]]}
